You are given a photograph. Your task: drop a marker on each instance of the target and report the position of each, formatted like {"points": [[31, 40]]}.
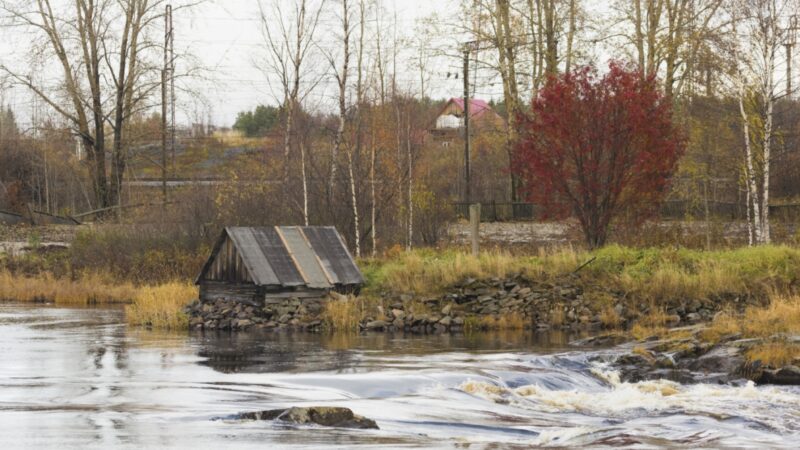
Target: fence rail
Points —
{"points": [[671, 209], [500, 211]]}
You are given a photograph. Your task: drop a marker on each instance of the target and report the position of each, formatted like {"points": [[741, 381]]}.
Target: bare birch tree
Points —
{"points": [[340, 75], [765, 27], [669, 35], [289, 40]]}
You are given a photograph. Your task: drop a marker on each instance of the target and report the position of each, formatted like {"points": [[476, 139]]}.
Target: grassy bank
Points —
{"points": [[650, 276], [157, 306], [87, 289], [653, 274]]}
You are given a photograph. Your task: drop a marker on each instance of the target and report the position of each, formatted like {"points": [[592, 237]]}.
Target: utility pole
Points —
{"points": [[467, 185], [164, 136], [791, 39], [171, 73], [167, 109]]}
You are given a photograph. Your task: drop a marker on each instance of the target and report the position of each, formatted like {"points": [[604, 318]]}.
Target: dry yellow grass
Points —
{"points": [[654, 323], [650, 274], [557, 317], [643, 352], [775, 354], [503, 322], [90, 288], [345, 313], [782, 315], [609, 317], [420, 274], [671, 282], [161, 306]]}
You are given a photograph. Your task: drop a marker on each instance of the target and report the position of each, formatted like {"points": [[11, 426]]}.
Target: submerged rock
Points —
{"points": [[327, 416]]}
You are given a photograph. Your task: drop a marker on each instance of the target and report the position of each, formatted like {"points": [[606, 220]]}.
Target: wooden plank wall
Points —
{"points": [[211, 291], [228, 265]]}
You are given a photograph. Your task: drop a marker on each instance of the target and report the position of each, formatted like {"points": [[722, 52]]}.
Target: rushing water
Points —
{"points": [[79, 378]]}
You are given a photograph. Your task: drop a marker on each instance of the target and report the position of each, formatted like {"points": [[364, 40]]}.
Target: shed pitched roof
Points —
{"points": [[315, 257], [477, 107]]}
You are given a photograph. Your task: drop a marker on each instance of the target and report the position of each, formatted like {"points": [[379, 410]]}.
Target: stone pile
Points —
{"points": [[285, 313], [475, 303]]}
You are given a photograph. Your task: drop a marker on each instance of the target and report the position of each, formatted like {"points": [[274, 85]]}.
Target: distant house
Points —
{"points": [[254, 264], [451, 117]]}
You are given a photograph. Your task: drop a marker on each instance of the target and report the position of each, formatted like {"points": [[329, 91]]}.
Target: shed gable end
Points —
{"points": [[227, 265]]}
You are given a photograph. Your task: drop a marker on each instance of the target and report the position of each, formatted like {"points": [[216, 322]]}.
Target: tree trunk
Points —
{"points": [[354, 202], [570, 35], [305, 180], [752, 189], [373, 227], [410, 230], [765, 233], [342, 82]]}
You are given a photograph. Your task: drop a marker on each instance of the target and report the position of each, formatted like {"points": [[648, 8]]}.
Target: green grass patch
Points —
{"points": [[652, 274]]}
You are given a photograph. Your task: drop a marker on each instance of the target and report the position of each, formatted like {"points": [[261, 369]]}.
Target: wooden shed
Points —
{"points": [[250, 264]]}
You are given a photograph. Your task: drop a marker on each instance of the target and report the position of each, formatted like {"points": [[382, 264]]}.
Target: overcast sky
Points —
{"points": [[224, 37]]}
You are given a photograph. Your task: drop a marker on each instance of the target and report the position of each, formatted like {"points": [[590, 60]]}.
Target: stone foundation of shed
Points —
{"points": [[271, 314]]}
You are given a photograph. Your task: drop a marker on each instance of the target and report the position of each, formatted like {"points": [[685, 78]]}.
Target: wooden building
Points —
{"points": [[252, 264]]}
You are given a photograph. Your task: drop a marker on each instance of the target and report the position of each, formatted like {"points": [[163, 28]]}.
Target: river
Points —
{"points": [[80, 378]]}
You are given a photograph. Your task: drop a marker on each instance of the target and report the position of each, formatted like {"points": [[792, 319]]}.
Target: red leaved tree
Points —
{"points": [[599, 147]]}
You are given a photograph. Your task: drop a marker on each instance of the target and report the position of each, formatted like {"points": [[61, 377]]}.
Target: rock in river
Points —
{"points": [[789, 375], [327, 416]]}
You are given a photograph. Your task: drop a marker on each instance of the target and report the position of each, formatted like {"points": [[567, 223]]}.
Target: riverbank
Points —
{"points": [[427, 291], [614, 288], [157, 306], [761, 344]]}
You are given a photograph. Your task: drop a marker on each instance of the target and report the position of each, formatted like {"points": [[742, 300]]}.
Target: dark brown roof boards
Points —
{"points": [[315, 257]]}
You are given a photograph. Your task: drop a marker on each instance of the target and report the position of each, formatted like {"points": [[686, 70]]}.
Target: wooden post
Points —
{"points": [[467, 156], [475, 226]]}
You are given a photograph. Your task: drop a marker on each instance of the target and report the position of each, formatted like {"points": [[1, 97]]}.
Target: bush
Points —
{"points": [[143, 255], [91, 288], [161, 306]]}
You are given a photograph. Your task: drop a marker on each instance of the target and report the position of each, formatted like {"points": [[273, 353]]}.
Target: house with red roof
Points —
{"points": [[482, 117]]}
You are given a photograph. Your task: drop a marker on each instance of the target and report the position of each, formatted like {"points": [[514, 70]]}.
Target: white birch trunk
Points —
{"points": [[749, 216], [305, 180], [752, 189], [768, 96], [354, 200], [765, 232]]}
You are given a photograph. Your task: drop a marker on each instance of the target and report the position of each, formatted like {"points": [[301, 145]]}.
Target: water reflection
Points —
{"points": [[261, 352]]}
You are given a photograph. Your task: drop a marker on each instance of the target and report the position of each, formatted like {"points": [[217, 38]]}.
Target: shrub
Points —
{"points": [[91, 288], [139, 254], [345, 313], [161, 306]]}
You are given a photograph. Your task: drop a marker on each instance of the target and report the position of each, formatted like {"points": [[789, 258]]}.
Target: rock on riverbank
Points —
{"points": [[691, 360]]}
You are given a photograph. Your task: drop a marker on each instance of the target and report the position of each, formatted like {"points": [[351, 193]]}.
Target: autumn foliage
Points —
{"points": [[599, 147]]}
